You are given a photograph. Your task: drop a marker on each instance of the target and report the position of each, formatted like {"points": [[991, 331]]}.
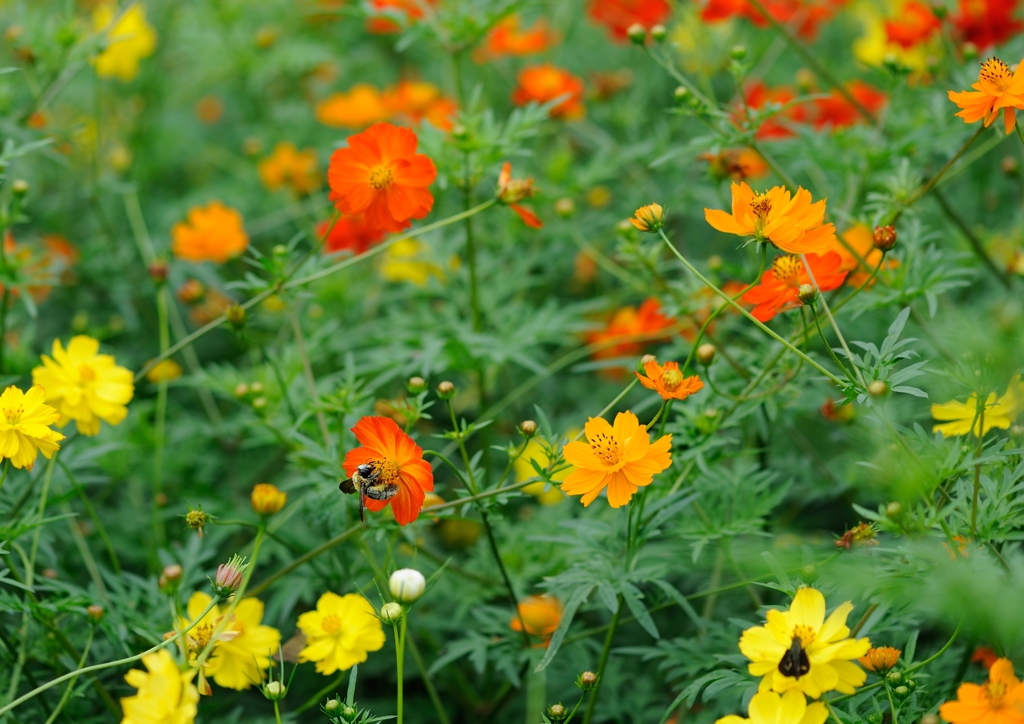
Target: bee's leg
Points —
{"points": [[362, 507]]}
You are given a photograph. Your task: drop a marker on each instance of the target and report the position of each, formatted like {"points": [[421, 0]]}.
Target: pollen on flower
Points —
{"points": [[761, 205], [996, 72], [787, 269], [331, 624], [381, 177]]}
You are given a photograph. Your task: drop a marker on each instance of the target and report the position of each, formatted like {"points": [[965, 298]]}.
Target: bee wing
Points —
{"points": [[347, 486]]}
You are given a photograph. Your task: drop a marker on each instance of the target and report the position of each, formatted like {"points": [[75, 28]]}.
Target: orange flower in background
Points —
{"points": [[396, 461], [837, 112], [393, 14], [350, 233], [880, 659], [861, 246], [985, 656], [810, 14], [288, 167], [630, 329], [792, 223], [986, 22], [1000, 700], [538, 615], [780, 285], [735, 164], [510, 38], [758, 95], [915, 24], [544, 83], [997, 89], [361, 106], [210, 233], [209, 109], [618, 457], [511, 191], [668, 381], [618, 15], [417, 101], [381, 175]]}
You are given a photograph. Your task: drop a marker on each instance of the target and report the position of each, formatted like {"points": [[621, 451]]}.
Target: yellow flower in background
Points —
{"points": [[25, 426], [536, 451], [128, 42], [801, 650], [84, 385], [340, 632], [243, 649], [960, 418], [267, 499], [166, 695], [767, 707], [164, 371], [874, 46], [403, 262]]}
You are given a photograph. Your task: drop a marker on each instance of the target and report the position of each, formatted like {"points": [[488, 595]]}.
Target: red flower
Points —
{"points": [[631, 329], [837, 112], [509, 38], [395, 461], [779, 287], [809, 13], [915, 24], [618, 15], [758, 95], [987, 22], [351, 233], [390, 10]]}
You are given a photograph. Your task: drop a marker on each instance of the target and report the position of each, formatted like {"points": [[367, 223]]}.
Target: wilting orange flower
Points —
{"points": [[837, 112], [985, 656], [393, 11], [362, 106], [630, 329], [288, 167], [759, 95], [862, 534], [351, 233], [620, 458], [513, 190], [668, 381], [380, 175], [735, 164], [808, 13], [618, 15], [861, 246], [997, 89], [986, 22], [543, 83], [508, 37], [1000, 700], [417, 100], [792, 223], [780, 285], [915, 24], [832, 411], [211, 233], [395, 461], [880, 659], [538, 615]]}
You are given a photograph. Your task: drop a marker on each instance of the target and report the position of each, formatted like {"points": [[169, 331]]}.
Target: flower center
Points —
{"points": [[201, 635], [671, 380], [606, 448], [805, 634], [761, 206], [86, 373], [996, 72], [331, 624], [13, 414], [994, 691], [786, 269], [381, 177]]}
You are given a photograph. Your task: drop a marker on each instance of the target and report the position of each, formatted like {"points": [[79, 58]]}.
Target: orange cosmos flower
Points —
{"points": [[620, 458], [381, 175], [511, 191], [629, 329], [780, 285], [758, 95], [735, 164], [808, 13], [1000, 700], [880, 659], [350, 233], [668, 381], [509, 38], [792, 223], [915, 24], [417, 101], [985, 656], [861, 243], [288, 167], [837, 112], [395, 461], [539, 615], [618, 15], [394, 14], [997, 89], [986, 22], [211, 233], [362, 106], [543, 83]]}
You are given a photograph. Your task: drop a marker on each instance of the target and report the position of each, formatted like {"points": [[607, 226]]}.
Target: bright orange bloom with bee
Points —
{"points": [[394, 460], [792, 223], [210, 233], [997, 90], [668, 381], [381, 175], [779, 289], [544, 83], [510, 38], [1000, 700]]}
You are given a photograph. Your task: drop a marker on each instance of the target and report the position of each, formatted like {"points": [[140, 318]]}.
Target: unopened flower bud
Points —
{"points": [[565, 207], [170, 579], [349, 713], [446, 390], [649, 218], [332, 706], [894, 678], [229, 576], [557, 712], [587, 681], [460, 132], [158, 271], [1010, 166], [95, 613], [901, 692], [884, 237], [391, 612], [930, 719], [241, 389], [259, 403], [637, 33], [877, 388], [969, 51], [738, 52], [235, 314], [280, 250], [274, 690], [196, 519], [416, 385], [407, 585], [706, 354], [19, 187], [642, 362], [894, 509], [809, 573], [256, 388], [527, 428], [807, 294], [267, 499], [681, 94], [659, 33], [191, 291]]}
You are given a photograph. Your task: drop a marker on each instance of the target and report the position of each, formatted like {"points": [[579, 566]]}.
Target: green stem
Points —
{"points": [[71, 684], [442, 716], [828, 348], [277, 712], [977, 472], [307, 368], [603, 662], [161, 423], [97, 523], [832, 320], [474, 291], [400, 629], [3, 477]]}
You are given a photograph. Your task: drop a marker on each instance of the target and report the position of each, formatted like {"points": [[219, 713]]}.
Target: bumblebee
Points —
{"points": [[369, 482], [795, 662]]}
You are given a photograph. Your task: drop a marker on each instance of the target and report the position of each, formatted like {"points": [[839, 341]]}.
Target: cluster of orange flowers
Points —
{"points": [[832, 112], [363, 105], [810, 14], [984, 23]]}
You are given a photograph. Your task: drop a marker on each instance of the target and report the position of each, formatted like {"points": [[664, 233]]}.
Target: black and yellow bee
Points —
{"points": [[368, 482]]}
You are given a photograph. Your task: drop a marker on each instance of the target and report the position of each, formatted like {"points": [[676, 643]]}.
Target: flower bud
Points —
{"points": [[738, 52], [460, 132], [416, 385], [557, 712], [706, 354], [901, 692], [279, 250], [391, 612], [884, 237], [19, 187], [637, 33], [349, 714], [527, 428], [911, 684], [196, 519], [95, 613], [969, 51], [170, 579], [681, 94], [241, 390], [649, 218], [191, 291], [274, 690], [587, 681], [235, 314], [807, 294], [229, 576], [267, 499], [894, 509], [930, 719], [256, 388], [407, 585], [894, 678], [332, 706], [659, 33], [565, 207], [1010, 166], [446, 390], [809, 573], [158, 271], [259, 404], [877, 388]]}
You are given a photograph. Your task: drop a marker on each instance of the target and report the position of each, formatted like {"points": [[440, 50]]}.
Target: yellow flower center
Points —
{"points": [[806, 635], [994, 692], [381, 177], [786, 269], [996, 72], [201, 635], [761, 206], [13, 414], [606, 448], [86, 373], [671, 380], [331, 624]]}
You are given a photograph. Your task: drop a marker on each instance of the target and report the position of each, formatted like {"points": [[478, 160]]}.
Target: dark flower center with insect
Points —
{"points": [[795, 662]]}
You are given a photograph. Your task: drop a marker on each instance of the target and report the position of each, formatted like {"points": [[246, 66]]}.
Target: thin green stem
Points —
{"points": [[307, 369], [603, 661], [277, 712], [442, 715], [828, 348], [3, 476], [97, 523], [977, 472], [71, 684], [400, 629], [832, 320], [161, 423]]}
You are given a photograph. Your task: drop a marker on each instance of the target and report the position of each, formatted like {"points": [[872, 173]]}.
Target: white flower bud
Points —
{"points": [[407, 585]]}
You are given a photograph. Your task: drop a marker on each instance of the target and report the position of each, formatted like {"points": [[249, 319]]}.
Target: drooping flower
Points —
{"points": [[210, 233], [780, 285], [25, 426], [544, 83], [631, 329], [509, 38], [416, 101], [880, 659], [801, 649], [859, 254], [668, 381], [538, 615], [959, 418], [619, 457], [997, 89], [288, 167], [767, 707], [362, 106], [340, 633], [792, 223], [986, 22], [1000, 700], [618, 15], [396, 462], [648, 218], [380, 175], [128, 42], [350, 233], [511, 191], [166, 695], [84, 385], [836, 111]]}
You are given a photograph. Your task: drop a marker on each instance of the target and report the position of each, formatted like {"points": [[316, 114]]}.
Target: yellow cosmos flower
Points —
{"points": [[84, 385], [874, 46], [166, 694], [128, 42], [25, 426], [801, 650], [164, 371], [340, 632], [961, 418], [243, 649], [537, 452], [767, 707], [404, 261]]}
